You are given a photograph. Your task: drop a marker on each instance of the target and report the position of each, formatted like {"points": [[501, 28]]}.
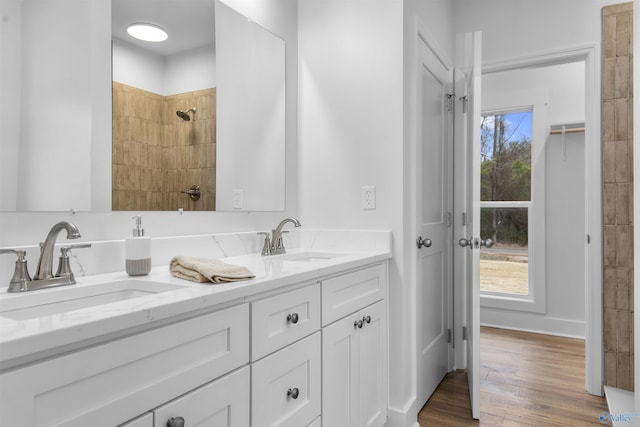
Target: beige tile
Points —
{"points": [[609, 36], [608, 79], [624, 328], [609, 246], [609, 161], [624, 246], [609, 204], [617, 9], [610, 330], [609, 288], [623, 371], [623, 204], [608, 121], [622, 289], [623, 34], [621, 119], [621, 77]]}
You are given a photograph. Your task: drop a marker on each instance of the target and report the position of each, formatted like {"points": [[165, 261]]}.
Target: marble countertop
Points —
{"points": [[26, 340]]}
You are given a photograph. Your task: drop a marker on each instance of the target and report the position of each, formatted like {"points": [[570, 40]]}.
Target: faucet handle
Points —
{"points": [[18, 282], [266, 247], [64, 267]]}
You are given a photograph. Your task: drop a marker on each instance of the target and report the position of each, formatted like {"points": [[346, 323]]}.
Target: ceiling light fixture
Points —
{"points": [[147, 32]]}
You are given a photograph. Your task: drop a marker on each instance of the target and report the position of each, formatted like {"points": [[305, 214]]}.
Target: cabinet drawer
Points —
{"points": [[145, 420], [350, 292], [282, 319], [285, 387], [221, 403], [114, 382]]}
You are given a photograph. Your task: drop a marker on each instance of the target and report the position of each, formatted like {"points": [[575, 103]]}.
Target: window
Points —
{"points": [[513, 134], [505, 195]]}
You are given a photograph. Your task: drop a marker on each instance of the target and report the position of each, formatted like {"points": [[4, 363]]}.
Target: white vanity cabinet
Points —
{"points": [[354, 350], [110, 383]]}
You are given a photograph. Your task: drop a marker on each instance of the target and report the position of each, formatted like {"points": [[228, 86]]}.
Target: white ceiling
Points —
{"points": [[189, 23]]}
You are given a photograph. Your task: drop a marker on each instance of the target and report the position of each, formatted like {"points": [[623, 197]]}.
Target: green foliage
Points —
{"points": [[505, 174]]}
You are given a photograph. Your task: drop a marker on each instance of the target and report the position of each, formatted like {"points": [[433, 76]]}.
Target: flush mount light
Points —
{"points": [[147, 32]]}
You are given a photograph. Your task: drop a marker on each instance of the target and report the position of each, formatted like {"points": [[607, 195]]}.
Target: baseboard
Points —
{"points": [[404, 417], [531, 322]]}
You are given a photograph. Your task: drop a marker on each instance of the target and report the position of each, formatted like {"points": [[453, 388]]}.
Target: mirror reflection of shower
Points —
{"points": [[184, 115]]}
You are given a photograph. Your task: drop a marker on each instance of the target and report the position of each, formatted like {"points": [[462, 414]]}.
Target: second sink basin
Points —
{"points": [[311, 256], [34, 304]]}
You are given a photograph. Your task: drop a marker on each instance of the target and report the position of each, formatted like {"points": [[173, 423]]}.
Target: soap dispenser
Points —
{"points": [[138, 251]]}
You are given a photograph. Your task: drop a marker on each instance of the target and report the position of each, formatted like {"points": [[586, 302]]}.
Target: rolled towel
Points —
{"points": [[204, 270]]}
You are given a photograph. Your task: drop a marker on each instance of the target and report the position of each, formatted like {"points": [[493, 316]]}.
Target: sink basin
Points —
{"points": [[311, 256], [31, 305]]}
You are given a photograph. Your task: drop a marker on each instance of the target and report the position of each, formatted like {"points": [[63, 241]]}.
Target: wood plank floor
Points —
{"points": [[526, 380]]}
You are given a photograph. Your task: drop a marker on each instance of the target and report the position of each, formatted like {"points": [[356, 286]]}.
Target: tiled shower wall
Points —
{"points": [[157, 155], [617, 152]]}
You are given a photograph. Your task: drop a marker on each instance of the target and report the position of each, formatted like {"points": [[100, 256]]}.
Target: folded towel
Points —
{"points": [[204, 270]]}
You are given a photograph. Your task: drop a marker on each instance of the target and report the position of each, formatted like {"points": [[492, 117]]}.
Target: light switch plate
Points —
{"points": [[237, 199]]}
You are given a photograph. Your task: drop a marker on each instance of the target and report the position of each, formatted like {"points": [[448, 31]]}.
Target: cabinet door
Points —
{"points": [[221, 403], [285, 386], [340, 373], [372, 363], [354, 363]]}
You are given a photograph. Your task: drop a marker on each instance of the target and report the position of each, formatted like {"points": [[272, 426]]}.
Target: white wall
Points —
{"points": [[351, 135], [519, 28], [10, 102], [183, 72]]}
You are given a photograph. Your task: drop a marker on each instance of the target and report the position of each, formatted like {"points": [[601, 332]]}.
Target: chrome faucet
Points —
{"points": [[44, 277], [276, 246], [45, 264]]}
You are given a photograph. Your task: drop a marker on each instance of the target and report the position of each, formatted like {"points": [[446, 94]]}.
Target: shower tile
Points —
{"points": [[609, 246], [610, 368], [609, 204], [624, 203], [624, 328], [622, 289], [624, 246], [623, 34], [621, 119], [623, 370], [608, 79], [608, 121], [610, 330], [622, 70]]}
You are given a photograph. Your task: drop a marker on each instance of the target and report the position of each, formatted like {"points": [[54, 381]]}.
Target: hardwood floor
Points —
{"points": [[526, 380]]}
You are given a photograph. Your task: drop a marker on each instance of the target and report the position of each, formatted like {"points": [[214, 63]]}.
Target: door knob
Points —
{"points": [[466, 243], [487, 243], [293, 318], [293, 393], [423, 242]]}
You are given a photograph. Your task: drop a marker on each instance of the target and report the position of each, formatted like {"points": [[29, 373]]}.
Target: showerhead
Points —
{"points": [[184, 115]]}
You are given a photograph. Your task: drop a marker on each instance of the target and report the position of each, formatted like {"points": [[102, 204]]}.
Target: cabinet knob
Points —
{"points": [[175, 422], [358, 324], [293, 393], [366, 319], [292, 318]]}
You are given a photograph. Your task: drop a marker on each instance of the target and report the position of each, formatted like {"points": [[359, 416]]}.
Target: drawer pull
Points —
{"points": [[292, 318], [358, 324], [293, 393], [366, 319], [175, 422]]}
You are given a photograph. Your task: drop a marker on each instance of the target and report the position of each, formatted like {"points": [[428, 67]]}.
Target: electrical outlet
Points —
{"points": [[368, 197], [237, 199]]}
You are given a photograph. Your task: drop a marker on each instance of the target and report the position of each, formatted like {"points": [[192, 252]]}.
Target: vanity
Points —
{"points": [[302, 344]]}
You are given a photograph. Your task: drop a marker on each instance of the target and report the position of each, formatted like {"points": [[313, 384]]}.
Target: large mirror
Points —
{"points": [[56, 128]]}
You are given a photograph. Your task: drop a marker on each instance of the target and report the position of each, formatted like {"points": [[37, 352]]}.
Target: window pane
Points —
{"points": [[506, 157], [505, 266]]}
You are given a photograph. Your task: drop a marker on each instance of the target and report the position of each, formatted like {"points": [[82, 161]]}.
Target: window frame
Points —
{"points": [[536, 102]]}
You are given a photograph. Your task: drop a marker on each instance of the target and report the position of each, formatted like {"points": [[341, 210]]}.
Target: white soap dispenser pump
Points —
{"points": [[138, 251]]}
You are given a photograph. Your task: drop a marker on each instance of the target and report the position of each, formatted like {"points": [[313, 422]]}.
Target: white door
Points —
{"points": [[433, 204], [470, 109]]}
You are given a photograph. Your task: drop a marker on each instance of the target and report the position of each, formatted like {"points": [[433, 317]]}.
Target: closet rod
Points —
{"points": [[572, 130]]}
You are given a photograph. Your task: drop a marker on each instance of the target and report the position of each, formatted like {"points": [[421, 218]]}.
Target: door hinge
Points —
{"points": [[588, 239], [464, 218], [464, 101], [448, 218], [450, 97], [449, 335], [464, 333]]}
